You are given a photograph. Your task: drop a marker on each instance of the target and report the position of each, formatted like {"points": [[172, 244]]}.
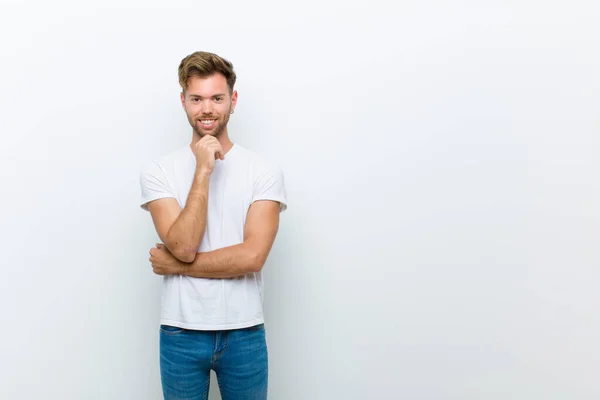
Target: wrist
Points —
{"points": [[182, 268], [203, 173]]}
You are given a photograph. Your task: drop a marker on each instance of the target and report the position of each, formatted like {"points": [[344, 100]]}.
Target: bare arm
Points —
{"points": [[182, 230], [262, 223], [260, 230]]}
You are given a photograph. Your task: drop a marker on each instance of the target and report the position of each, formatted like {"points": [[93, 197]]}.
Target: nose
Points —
{"points": [[207, 107]]}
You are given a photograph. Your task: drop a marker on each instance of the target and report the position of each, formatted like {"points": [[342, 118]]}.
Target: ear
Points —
{"points": [[182, 96], [234, 98]]}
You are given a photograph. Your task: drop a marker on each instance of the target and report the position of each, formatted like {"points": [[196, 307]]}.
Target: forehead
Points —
{"points": [[206, 86]]}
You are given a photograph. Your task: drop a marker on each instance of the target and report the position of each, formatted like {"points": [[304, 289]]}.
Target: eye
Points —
{"points": [[218, 98]]}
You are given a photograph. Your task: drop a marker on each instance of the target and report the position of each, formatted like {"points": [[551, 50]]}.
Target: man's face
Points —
{"points": [[208, 104]]}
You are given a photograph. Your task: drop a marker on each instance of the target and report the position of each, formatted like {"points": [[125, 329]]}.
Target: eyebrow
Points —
{"points": [[214, 95]]}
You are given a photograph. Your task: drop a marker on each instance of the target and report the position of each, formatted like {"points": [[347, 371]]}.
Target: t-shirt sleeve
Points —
{"points": [[270, 185], [153, 185]]}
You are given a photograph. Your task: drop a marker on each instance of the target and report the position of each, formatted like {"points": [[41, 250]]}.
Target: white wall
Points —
{"points": [[442, 165]]}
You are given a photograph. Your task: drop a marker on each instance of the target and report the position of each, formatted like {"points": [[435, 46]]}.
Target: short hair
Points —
{"points": [[204, 64]]}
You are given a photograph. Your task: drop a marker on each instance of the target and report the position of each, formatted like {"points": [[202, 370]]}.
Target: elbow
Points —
{"points": [[186, 255], [185, 252], [257, 262]]}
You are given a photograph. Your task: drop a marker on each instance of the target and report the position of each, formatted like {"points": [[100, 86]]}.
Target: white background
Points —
{"points": [[442, 166]]}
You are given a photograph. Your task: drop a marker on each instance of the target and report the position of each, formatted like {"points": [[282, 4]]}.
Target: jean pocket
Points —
{"points": [[259, 327], [171, 330]]}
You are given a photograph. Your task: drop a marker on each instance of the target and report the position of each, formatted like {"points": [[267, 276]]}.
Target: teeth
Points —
{"points": [[207, 121]]}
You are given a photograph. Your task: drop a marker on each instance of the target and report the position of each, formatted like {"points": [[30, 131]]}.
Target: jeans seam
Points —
{"points": [[220, 387], [172, 333], [217, 355], [205, 396]]}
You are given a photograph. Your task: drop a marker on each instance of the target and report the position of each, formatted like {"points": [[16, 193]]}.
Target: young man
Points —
{"points": [[215, 206]]}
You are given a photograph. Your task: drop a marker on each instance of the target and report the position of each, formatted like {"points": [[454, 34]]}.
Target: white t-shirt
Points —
{"points": [[240, 179]]}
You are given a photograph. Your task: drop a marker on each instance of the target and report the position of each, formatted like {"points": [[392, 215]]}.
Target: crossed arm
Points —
{"points": [[182, 230], [262, 223]]}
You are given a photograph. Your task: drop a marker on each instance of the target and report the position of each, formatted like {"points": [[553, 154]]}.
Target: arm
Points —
{"points": [[182, 230], [262, 223], [260, 230]]}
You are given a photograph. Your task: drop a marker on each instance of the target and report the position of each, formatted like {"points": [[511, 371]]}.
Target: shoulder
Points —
{"points": [[266, 176], [166, 162], [258, 163]]}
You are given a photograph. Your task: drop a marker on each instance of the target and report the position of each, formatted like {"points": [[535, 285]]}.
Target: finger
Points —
{"points": [[219, 153], [214, 147], [208, 140]]}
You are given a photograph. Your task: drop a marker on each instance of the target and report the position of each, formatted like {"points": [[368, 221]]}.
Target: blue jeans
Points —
{"points": [[238, 357]]}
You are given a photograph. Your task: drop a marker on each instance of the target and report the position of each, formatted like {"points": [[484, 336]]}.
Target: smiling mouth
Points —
{"points": [[207, 122]]}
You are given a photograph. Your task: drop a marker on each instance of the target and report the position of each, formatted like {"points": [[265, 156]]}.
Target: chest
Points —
{"points": [[229, 197]]}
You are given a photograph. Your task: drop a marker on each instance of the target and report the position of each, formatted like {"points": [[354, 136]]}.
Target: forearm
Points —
{"points": [[227, 262], [186, 233]]}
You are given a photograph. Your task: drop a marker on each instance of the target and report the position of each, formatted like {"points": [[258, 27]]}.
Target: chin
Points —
{"points": [[214, 133]]}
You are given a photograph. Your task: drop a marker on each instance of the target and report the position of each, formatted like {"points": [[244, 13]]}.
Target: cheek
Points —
{"points": [[224, 109]]}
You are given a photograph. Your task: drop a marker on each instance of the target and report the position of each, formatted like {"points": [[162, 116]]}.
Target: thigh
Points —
{"points": [[185, 358], [242, 369]]}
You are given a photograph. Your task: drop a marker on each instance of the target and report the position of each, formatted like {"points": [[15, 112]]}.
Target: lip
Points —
{"points": [[214, 120]]}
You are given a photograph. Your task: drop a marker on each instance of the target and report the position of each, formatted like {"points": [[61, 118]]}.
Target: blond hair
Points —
{"points": [[204, 64]]}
